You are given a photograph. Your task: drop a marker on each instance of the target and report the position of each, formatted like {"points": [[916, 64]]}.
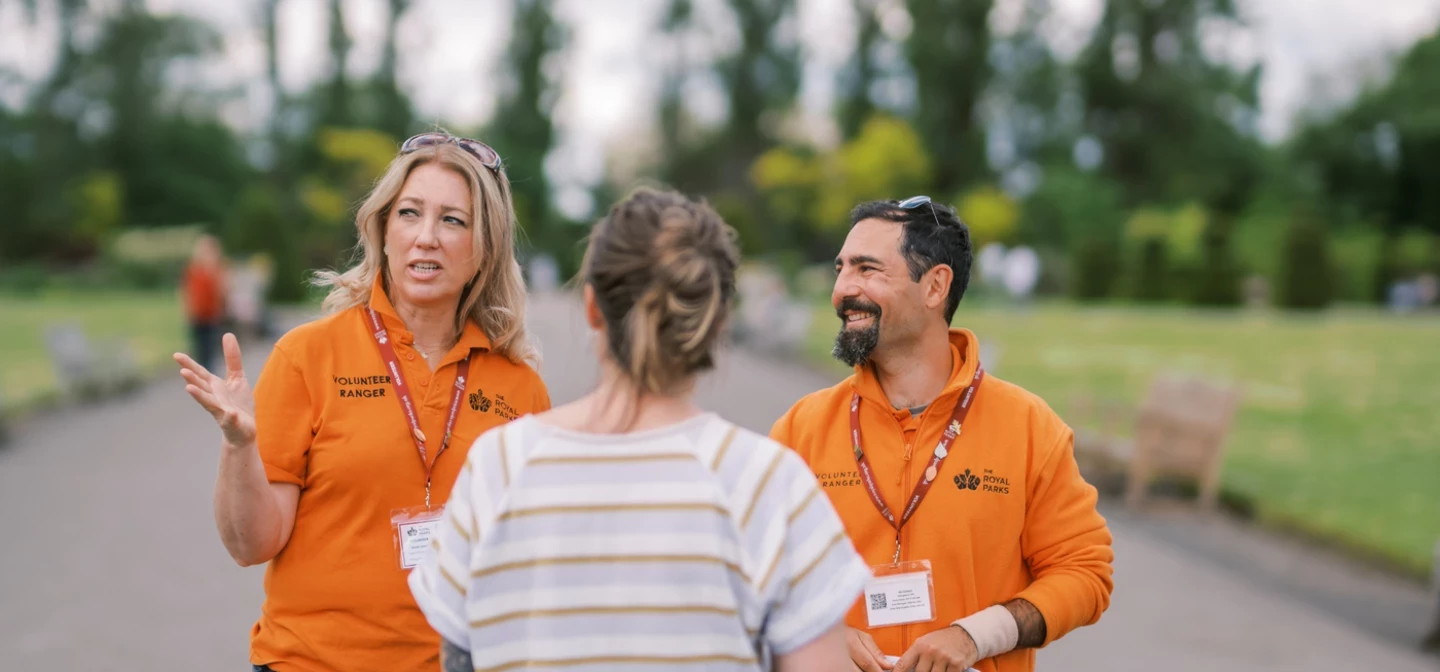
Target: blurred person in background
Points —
{"points": [[1008, 535], [334, 470], [631, 529], [202, 290]]}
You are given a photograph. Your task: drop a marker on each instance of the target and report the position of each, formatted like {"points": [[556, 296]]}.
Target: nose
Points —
{"points": [[846, 286], [428, 237]]}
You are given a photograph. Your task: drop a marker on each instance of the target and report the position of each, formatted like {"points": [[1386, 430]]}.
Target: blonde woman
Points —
{"points": [[631, 530], [335, 470]]}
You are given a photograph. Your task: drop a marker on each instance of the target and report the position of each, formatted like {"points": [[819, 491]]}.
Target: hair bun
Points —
{"points": [[663, 270]]}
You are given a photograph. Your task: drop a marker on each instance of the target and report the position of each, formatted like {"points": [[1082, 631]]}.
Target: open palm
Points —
{"points": [[229, 400]]}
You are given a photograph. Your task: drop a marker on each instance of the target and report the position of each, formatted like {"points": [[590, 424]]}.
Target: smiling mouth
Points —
{"points": [[857, 318], [425, 267]]}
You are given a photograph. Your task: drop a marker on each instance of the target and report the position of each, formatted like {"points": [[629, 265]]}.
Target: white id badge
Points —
{"points": [[900, 593], [413, 529]]}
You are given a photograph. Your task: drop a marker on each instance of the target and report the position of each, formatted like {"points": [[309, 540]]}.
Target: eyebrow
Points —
{"points": [[858, 259], [444, 208]]}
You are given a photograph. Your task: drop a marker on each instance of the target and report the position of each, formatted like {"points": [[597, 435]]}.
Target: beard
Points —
{"points": [[854, 346]]}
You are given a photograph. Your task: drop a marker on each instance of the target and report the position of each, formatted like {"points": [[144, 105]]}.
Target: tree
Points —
{"points": [[949, 54], [522, 131], [393, 112], [1375, 161], [1146, 76], [1306, 277], [861, 72]]}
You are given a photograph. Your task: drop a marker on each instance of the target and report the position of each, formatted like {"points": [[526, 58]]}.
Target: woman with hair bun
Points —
{"points": [[631, 528]]}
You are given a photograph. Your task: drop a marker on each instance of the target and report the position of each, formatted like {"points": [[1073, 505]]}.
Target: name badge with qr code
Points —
{"points": [[900, 593], [413, 529]]}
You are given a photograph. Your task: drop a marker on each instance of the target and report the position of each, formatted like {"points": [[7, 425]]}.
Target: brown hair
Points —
{"points": [[663, 271], [495, 298]]}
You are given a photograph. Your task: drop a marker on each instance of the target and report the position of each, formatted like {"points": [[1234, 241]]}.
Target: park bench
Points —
{"points": [[1177, 431], [89, 369]]}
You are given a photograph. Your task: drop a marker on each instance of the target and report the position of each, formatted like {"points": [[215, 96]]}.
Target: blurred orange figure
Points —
{"points": [[203, 291]]}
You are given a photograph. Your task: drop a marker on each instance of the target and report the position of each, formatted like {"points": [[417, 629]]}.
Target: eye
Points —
{"points": [[456, 221], [408, 212]]}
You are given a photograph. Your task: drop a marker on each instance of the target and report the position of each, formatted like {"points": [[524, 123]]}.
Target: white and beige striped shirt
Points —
{"points": [[699, 546]]}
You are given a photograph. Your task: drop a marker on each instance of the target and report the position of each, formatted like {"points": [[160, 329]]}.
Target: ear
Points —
{"points": [[936, 285], [592, 309]]}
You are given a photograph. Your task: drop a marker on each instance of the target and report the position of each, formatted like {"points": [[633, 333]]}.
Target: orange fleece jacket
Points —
{"points": [[1008, 516]]}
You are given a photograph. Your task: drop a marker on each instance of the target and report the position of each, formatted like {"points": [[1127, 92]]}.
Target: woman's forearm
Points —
{"points": [[248, 513]]}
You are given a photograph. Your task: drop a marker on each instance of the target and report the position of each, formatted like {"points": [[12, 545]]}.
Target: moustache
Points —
{"points": [[852, 304]]}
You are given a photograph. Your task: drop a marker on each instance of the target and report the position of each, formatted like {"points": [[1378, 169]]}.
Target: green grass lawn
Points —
{"points": [[150, 322], [1339, 431]]}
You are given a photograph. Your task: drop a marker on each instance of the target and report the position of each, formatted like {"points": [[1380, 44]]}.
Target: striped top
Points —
{"points": [[698, 546]]}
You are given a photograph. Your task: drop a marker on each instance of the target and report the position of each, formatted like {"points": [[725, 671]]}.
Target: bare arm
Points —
{"points": [[1029, 621], [827, 652], [254, 517]]}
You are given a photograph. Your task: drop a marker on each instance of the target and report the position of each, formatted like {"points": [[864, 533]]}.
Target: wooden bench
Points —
{"points": [[1178, 430], [89, 370]]}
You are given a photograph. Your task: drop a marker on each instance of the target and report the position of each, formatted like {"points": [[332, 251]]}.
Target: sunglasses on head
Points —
{"points": [[488, 157], [917, 201]]}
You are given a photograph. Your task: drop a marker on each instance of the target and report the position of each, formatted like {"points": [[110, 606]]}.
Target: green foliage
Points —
{"points": [[948, 52], [810, 195], [990, 214], [1174, 123], [1306, 277], [1096, 267], [1217, 282], [1152, 272]]}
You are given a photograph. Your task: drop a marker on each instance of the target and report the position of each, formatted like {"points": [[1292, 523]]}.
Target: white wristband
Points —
{"points": [[994, 631]]}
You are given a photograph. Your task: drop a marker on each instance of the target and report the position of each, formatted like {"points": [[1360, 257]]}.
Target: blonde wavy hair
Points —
{"points": [[494, 298]]}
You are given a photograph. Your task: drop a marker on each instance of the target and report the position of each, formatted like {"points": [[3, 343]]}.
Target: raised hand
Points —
{"points": [[229, 400]]}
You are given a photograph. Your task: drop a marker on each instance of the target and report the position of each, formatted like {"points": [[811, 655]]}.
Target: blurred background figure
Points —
{"points": [[204, 291]]}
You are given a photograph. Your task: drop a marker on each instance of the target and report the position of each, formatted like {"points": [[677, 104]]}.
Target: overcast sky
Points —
{"points": [[449, 47]]}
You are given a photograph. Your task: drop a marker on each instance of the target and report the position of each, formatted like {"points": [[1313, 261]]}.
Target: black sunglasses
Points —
{"points": [[917, 201], [487, 156]]}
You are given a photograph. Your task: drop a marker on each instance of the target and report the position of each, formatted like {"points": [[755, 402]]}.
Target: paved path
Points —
{"points": [[111, 559]]}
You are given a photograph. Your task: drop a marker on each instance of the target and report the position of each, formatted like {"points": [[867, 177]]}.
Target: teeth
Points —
{"points": [[427, 267]]}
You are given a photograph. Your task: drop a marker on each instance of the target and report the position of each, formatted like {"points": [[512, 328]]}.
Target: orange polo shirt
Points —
{"points": [[328, 420], [1008, 516]]}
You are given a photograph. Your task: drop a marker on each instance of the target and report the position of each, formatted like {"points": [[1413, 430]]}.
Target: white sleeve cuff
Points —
{"points": [[994, 631]]}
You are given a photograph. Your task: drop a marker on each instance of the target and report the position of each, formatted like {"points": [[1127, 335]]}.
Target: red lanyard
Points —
{"points": [[952, 431], [407, 404]]}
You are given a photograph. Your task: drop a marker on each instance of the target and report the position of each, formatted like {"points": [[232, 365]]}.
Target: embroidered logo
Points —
{"points": [[479, 402], [967, 481]]}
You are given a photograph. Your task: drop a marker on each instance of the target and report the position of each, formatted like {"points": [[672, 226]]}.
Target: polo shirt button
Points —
{"points": [[410, 356]]}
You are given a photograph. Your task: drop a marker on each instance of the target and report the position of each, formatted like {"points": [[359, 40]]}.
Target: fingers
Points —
{"points": [[869, 643], [233, 366], [206, 401], [187, 364], [863, 652], [198, 380], [908, 661]]}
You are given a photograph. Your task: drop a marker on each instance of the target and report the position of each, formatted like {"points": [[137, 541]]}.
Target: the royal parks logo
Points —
{"points": [[479, 401], [984, 482]]}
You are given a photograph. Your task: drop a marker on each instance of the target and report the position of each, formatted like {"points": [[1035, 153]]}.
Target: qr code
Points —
{"points": [[877, 601]]}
